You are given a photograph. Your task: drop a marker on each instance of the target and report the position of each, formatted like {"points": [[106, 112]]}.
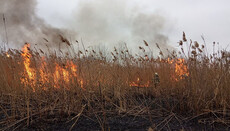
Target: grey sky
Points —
{"points": [[210, 18]]}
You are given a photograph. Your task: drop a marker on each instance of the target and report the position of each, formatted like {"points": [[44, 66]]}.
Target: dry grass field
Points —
{"points": [[88, 90]]}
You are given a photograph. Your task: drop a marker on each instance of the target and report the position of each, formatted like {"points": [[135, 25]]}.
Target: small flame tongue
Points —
{"points": [[139, 83], [180, 70]]}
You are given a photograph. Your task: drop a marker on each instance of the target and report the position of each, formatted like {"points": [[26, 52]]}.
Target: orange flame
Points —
{"points": [[44, 77], [66, 74], [138, 83], [28, 70], [63, 75], [180, 70]]}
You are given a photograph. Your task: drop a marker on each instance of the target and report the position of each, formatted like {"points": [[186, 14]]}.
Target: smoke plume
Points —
{"points": [[114, 21], [107, 22], [24, 26]]}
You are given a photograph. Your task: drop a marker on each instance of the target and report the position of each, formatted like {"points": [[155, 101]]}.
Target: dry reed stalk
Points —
{"points": [[206, 86]]}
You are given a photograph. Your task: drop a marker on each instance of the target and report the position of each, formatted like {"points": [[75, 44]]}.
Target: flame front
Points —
{"points": [[64, 75]]}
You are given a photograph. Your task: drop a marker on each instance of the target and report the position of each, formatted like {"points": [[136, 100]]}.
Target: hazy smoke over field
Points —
{"points": [[24, 26], [95, 21], [113, 21]]}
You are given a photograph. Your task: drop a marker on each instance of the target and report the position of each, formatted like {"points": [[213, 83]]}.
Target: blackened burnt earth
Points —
{"points": [[110, 118], [126, 123]]}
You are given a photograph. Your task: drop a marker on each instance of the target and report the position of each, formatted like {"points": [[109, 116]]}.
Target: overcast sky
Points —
{"points": [[210, 18]]}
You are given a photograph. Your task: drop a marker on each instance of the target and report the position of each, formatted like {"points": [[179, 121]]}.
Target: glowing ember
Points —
{"points": [[81, 84], [7, 55]]}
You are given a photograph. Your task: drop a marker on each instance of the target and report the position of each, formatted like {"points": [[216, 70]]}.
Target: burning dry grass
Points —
{"points": [[34, 85]]}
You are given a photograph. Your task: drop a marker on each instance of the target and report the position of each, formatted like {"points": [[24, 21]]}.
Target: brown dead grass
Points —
{"points": [[106, 85]]}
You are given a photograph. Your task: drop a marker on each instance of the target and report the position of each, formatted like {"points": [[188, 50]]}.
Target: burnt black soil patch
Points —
{"points": [[146, 112], [125, 123]]}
